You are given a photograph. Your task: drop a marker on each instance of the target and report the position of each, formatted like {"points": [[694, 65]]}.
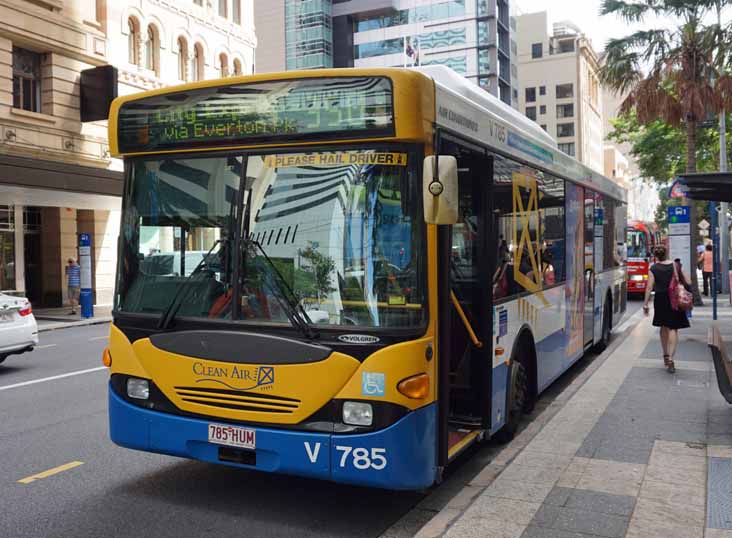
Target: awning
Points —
{"points": [[712, 186]]}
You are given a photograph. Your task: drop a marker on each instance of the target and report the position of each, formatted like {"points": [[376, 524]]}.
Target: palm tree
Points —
{"points": [[669, 74]]}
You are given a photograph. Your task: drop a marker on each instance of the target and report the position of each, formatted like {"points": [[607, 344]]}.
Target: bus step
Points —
{"points": [[465, 420]]}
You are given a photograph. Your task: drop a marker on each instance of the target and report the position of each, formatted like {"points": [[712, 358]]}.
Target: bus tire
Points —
{"points": [[518, 390], [2, 358], [606, 325]]}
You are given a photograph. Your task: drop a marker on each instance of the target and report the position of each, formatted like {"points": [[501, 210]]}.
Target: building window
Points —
{"points": [[542, 90], [565, 90], [26, 80], [182, 58], [565, 111], [197, 62], [236, 8], [237, 67], [223, 65], [152, 50], [133, 41], [567, 148], [542, 109], [537, 50], [222, 8], [198, 2], [530, 95], [531, 112], [543, 126], [565, 129]]}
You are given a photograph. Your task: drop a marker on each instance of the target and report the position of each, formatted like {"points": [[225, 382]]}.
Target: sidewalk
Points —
{"points": [[50, 319], [635, 452]]}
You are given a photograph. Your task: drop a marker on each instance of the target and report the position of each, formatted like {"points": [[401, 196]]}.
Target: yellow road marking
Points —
{"points": [[51, 472]]}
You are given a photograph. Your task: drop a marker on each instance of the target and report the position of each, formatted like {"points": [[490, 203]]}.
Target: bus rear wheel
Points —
{"points": [[605, 337], [518, 391]]}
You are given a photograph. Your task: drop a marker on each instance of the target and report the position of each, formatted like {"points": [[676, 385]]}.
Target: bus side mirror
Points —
{"points": [[440, 194]]}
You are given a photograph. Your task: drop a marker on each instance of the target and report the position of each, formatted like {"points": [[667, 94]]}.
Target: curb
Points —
{"points": [[71, 324], [441, 519]]}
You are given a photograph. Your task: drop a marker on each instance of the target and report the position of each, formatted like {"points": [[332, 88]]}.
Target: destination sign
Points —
{"points": [[258, 112]]}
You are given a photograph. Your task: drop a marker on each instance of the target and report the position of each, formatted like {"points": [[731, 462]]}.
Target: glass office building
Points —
{"points": [[473, 37], [308, 34]]}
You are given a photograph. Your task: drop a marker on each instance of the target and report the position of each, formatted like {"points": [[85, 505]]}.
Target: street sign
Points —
{"points": [[704, 233], [703, 224], [678, 220]]}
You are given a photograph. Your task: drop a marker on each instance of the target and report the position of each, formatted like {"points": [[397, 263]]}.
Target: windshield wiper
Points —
{"points": [[296, 314], [169, 313]]}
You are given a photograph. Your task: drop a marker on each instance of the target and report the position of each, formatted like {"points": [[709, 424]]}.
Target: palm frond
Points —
{"points": [[625, 57], [629, 11]]}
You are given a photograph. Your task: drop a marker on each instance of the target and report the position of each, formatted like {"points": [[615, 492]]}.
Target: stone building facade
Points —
{"points": [[57, 178]]}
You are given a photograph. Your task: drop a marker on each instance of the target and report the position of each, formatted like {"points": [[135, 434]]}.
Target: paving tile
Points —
{"points": [[690, 463], [716, 439], [680, 515], [569, 479], [521, 491], [543, 532], [634, 451], [523, 473], [719, 451], [505, 509], [533, 458], [583, 521], [558, 496], [604, 503], [546, 516], [680, 449], [483, 528], [717, 533], [643, 528], [673, 493], [675, 475]]}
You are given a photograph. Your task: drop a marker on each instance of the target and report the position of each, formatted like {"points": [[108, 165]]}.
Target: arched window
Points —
{"points": [[223, 65], [237, 67], [197, 62], [152, 48], [133, 41], [182, 59]]}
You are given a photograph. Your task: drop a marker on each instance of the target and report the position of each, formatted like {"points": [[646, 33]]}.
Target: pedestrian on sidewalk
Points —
{"points": [[73, 274], [706, 259], [665, 317]]}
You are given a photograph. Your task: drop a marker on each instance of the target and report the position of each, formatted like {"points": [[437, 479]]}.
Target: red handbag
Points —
{"points": [[681, 299]]}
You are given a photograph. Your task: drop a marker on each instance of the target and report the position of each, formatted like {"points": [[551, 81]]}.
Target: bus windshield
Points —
{"points": [[340, 231], [637, 244]]}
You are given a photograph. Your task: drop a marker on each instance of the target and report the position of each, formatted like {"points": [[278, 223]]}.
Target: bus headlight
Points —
{"points": [[636, 278], [358, 413], [138, 388]]}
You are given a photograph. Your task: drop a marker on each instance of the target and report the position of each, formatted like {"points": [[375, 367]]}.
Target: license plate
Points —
{"points": [[4, 318], [223, 434]]}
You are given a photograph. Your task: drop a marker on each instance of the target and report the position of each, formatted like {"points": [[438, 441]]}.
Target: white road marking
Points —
{"points": [[45, 346], [99, 338], [52, 378]]}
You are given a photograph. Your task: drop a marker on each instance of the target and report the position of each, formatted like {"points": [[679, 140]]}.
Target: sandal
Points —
{"points": [[666, 360], [671, 367]]}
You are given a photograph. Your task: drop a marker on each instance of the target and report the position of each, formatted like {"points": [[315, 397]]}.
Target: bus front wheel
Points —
{"points": [[518, 391]]}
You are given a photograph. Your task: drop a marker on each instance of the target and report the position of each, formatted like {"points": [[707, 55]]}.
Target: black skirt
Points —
{"points": [[665, 316]]}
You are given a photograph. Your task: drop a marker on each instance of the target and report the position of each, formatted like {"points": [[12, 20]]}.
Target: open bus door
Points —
{"points": [[464, 299]]}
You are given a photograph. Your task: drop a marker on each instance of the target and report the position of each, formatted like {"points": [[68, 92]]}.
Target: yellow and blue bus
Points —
{"points": [[351, 275]]}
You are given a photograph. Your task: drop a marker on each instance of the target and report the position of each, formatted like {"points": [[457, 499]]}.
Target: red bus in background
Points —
{"points": [[642, 238]]}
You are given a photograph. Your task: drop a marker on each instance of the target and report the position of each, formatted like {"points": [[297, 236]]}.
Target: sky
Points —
{"points": [[586, 15]]}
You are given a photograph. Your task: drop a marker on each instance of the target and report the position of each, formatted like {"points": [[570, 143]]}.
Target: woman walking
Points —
{"points": [[665, 317]]}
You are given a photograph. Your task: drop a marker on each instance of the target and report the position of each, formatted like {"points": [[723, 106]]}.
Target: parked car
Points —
{"points": [[18, 329]]}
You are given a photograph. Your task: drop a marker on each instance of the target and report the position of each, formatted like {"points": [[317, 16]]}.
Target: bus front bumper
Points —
{"points": [[402, 456]]}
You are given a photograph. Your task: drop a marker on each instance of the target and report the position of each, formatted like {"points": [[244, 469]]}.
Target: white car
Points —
{"points": [[18, 329]]}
